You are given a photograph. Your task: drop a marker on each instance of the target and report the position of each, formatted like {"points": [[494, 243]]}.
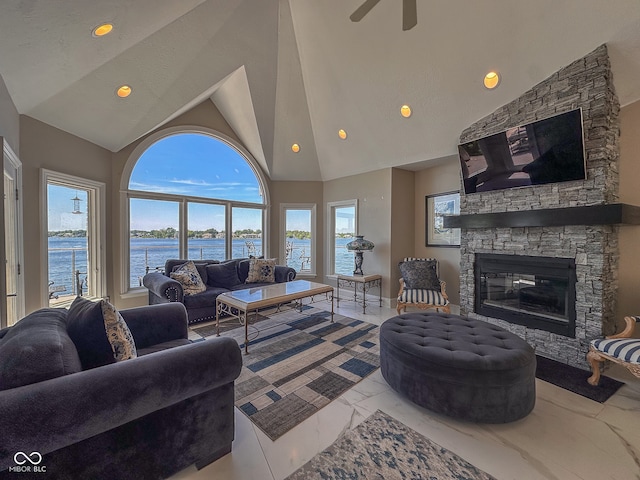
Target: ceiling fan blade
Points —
{"points": [[409, 14], [362, 10]]}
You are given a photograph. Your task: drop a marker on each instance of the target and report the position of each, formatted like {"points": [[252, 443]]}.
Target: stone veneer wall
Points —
{"points": [[587, 84]]}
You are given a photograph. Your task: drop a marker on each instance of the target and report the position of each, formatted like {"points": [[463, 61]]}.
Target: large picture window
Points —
{"points": [[153, 236], [206, 238], [192, 195], [298, 238]]}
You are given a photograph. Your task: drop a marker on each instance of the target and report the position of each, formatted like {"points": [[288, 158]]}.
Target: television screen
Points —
{"points": [[545, 151]]}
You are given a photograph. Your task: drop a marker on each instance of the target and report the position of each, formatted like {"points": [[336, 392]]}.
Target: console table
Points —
{"points": [[362, 283]]}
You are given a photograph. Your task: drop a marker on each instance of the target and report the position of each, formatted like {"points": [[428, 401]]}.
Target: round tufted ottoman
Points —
{"points": [[460, 367]]}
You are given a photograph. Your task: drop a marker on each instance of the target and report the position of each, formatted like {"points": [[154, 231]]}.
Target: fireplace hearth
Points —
{"points": [[534, 291]]}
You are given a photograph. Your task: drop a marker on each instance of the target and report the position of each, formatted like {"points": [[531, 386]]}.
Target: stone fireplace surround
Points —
{"points": [[586, 84]]}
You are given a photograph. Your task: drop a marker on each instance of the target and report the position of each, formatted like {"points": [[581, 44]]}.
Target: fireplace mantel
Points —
{"points": [[612, 214]]}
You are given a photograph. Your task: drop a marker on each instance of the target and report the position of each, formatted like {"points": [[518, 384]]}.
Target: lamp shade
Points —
{"points": [[360, 244]]}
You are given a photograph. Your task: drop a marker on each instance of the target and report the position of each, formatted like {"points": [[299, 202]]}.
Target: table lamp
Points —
{"points": [[359, 245]]}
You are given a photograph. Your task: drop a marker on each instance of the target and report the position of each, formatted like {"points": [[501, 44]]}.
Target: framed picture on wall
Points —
{"points": [[437, 206]]}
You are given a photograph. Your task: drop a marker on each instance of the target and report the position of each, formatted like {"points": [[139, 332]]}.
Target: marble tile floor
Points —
{"points": [[566, 437]]}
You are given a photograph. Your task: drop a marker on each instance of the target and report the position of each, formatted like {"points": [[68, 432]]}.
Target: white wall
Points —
{"points": [[629, 273], [43, 146], [438, 179], [9, 120]]}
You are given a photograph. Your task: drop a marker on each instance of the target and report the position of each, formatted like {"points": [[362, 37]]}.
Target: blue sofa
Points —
{"points": [[219, 277], [142, 418]]}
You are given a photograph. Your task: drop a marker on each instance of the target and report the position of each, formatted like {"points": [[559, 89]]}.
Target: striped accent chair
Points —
{"points": [[422, 298], [619, 348]]}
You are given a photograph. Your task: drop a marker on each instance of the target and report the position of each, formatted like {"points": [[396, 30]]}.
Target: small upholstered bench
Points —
{"points": [[464, 368], [621, 349]]}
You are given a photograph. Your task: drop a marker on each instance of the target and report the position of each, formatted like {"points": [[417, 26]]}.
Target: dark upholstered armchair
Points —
{"points": [[141, 418]]}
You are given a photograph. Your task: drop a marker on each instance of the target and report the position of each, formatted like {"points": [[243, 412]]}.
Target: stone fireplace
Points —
{"points": [[591, 248]]}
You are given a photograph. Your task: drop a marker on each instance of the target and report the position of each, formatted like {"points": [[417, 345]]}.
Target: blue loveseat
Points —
{"points": [[219, 277], [142, 418]]}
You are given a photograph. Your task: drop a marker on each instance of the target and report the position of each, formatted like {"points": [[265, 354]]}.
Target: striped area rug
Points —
{"points": [[299, 362]]}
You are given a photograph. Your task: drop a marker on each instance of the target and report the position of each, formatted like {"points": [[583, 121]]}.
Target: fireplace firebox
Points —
{"points": [[538, 292]]}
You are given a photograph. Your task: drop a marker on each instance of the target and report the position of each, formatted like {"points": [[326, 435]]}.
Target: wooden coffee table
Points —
{"points": [[252, 299]]}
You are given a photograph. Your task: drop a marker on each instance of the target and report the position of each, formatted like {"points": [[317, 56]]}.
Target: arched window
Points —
{"points": [[192, 195]]}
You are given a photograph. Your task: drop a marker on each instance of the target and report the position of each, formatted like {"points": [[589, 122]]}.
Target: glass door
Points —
{"points": [[73, 238], [68, 243]]}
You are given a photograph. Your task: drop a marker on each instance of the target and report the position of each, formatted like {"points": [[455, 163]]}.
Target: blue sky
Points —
{"points": [[195, 165], [198, 165], [61, 207], [185, 164]]}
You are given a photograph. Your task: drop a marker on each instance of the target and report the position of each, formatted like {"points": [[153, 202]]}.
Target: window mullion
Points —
{"points": [[228, 237], [183, 223]]}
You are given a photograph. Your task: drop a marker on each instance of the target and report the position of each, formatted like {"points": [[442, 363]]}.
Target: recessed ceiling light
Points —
{"points": [[124, 91], [295, 148], [405, 111], [102, 30], [342, 134], [491, 80]]}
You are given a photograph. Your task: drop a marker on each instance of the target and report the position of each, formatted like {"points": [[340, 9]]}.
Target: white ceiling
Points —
{"points": [[297, 71]]}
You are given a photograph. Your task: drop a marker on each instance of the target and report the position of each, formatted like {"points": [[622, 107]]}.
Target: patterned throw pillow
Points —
{"points": [[118, 333], [420, 274], [188, 276], [262, 270]]}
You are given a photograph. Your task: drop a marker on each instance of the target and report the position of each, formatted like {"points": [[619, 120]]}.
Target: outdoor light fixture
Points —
{"points": [[295, 148], [76, 204], [342, 134], [405, 111], [359, 245], [491, 80]]}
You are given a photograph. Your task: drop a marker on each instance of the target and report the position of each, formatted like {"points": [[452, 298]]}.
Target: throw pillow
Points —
{"points": [[420, 274], [188, 276], [262, 270], [118, 333], [223, 275]]}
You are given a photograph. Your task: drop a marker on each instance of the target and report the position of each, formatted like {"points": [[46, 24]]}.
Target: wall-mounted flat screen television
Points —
{"points": [[545, 151]]}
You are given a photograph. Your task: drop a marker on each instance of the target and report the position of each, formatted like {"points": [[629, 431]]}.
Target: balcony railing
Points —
{"points": [[145, 259], [68, 265], [66, 271]]}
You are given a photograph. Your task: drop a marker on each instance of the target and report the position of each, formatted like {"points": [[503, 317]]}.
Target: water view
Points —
{"points": [[69, 254]]}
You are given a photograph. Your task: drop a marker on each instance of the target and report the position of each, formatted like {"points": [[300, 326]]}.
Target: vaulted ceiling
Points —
{"points": [[297, 71]]}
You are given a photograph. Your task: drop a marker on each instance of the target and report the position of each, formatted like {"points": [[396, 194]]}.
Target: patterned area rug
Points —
{"points": [[298, 362], [383, 448]]}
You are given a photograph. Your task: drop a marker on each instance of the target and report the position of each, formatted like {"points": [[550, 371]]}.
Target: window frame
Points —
{"points": [[11, 161], [96, 229], [331, 232], [126, 194], [311, 207]]}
